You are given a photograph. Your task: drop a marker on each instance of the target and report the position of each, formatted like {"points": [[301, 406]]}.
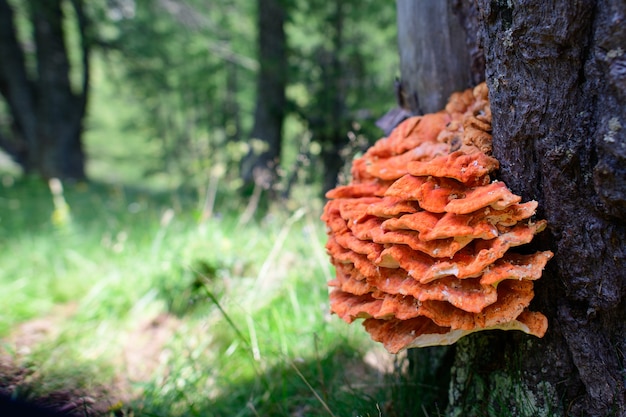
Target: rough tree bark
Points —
{"points": [[556, 72], [47, 113], [557, 80]]}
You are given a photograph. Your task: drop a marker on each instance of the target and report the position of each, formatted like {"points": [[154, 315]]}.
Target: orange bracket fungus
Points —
{"points": [[421, 237]]}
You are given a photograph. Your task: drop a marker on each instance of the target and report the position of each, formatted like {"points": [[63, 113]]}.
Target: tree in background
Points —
{"points": [[259, 166], [335, 56], [213, 94], [191, 66], [46, 108], [222, 91], [345, 57], [556, 82]]}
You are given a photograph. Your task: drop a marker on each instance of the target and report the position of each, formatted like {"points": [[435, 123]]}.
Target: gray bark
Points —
{"points": [[434, 56]]}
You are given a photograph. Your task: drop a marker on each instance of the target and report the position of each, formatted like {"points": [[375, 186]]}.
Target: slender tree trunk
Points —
{"points": [[259, 167], [18, 91], [331, 134], [59, 110], [328, 121]]}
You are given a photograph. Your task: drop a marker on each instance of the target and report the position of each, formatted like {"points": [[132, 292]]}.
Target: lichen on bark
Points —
{"points": [[480, 388]]}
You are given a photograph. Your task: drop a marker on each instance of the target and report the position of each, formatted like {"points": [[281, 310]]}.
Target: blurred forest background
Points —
{"points": [[175, 93], [145, 270]]}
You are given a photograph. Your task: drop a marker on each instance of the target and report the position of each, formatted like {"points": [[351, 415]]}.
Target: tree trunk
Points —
{"points": [[18, 91], [328, 120], [558, 96], [331, 133], [259, 167], [59, 111], [47, 114], [434, 56]]}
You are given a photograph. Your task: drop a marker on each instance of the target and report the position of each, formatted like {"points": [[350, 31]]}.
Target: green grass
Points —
{"points": [[247, 330]]}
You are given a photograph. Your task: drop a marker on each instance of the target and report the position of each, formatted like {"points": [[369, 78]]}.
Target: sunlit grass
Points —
{"points": [[230, 319]]}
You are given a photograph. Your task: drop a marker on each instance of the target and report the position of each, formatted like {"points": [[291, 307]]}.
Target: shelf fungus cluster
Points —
{"points": [[421, 236]]}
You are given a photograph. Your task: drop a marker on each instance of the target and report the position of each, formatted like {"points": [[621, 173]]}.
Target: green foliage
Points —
{"points": [[190, 69], [173, 85], [173, 91]]}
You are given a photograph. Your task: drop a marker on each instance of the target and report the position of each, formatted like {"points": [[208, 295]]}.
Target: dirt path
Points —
{"points": [[141, 354]]}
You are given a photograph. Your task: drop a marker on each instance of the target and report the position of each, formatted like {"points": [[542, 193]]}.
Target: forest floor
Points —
{"points": [[142, 350], [141, 356], [131, 305]]}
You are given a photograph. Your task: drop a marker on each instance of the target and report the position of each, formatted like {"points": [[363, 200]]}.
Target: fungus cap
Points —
{"points": [[422, 238]]}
